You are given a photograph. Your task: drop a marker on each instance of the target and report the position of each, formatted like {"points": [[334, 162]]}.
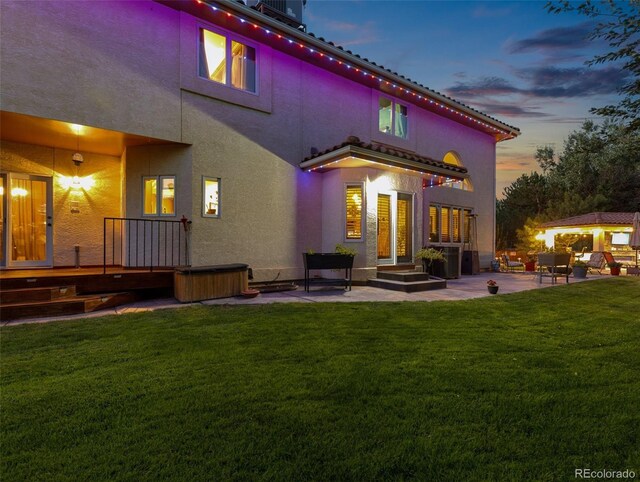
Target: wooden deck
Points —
{"points": [[36, 293], [87, 280]]}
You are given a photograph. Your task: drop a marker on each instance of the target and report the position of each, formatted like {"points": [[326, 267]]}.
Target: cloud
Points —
{"points": [[510, 110], [546, 82], [482, 87], [554, 39], [553, 82]]}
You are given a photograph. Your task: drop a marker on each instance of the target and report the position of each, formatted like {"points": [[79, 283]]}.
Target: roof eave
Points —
{"points": [[382, 158], [511, 132]]}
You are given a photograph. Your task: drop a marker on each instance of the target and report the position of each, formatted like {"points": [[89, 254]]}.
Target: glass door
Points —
{"points": [[404, 228], [395, 228], [29, 216], [384, 229]]}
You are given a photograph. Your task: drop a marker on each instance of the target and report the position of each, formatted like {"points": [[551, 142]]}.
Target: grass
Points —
{"points": [[528, 386]]}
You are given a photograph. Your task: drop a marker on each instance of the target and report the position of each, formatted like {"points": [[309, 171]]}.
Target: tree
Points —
{"points": [[619, 25], [597, 170], [525, 198]]}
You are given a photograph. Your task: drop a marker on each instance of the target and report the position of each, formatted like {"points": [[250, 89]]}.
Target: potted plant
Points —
{"points": [[614, 267], [428, 256], [347, 251], [530, 263], [492, 286], [580, 269]]}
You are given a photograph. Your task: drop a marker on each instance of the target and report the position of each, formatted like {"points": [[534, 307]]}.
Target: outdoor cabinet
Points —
{"points": [[470, 262]]}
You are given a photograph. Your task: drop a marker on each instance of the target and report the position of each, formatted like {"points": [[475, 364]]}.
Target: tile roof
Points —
{"points": [[390, 151], [599, 218]]}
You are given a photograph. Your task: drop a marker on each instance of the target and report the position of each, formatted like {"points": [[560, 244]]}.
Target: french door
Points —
{"points": [[395, 228], [26, 209]]}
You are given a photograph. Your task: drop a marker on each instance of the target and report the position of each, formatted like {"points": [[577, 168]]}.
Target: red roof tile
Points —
{"points": [[625, 219]]}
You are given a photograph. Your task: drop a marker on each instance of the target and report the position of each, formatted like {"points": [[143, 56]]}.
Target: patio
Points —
{"points": [[466, 287]]}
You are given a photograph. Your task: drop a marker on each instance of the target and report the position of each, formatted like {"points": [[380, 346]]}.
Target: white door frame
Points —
{"points": [[48, 261], [393, 260]]}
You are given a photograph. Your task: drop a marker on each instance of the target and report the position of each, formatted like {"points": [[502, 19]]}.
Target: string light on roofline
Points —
{"points": [[357, 69], [422, 172]]}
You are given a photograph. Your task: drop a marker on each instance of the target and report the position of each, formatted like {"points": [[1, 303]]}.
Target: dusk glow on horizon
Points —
{"points": [[511, 60]]}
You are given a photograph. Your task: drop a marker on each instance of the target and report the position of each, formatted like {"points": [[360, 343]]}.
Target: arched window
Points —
{"points": [[453, 159]]}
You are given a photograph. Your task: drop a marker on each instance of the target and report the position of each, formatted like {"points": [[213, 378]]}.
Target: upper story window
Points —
{"points": [[453, 159], [227, 61], [392, 118]]}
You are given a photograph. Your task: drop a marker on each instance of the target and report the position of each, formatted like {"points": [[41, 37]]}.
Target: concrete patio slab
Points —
{"points": [[467, 287]]}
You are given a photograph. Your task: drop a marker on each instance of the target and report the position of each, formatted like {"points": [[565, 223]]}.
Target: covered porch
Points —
{"points": [[379, 192], [59, 181]]}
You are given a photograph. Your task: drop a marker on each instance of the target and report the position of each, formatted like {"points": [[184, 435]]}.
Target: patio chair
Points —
{"points": [[511, 265], [581, 254], [608, 257], [597, 261]]}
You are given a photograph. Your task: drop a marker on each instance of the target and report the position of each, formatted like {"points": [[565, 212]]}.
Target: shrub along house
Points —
{"points": [[269, 140]]}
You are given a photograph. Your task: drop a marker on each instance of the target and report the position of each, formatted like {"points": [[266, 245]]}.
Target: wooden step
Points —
{"points": [[404, 276], [397, 267], [408, 287], [64, 306], [36, 294]]}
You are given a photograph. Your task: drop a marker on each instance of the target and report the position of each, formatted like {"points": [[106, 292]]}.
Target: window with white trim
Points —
{"points": [[449, 224], [434, 224], [353, 211], [158, 196], [211, 197], [227, 61], [392, 117]]}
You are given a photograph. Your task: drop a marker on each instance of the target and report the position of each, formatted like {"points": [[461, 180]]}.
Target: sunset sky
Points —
{"points": [[511, 60]]}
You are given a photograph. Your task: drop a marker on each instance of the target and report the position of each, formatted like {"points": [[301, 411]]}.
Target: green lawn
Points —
{"points": [[528, 386]]}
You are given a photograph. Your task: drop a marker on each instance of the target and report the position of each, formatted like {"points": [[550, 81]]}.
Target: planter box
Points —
{"points": [[209, 282], [328, 261]]}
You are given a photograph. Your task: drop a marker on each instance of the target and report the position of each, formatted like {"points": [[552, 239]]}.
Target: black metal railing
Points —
{"points": [[144, 243]]}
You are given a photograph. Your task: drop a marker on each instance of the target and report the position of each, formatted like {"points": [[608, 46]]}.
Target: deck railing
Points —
{"points": [[144, 243]]}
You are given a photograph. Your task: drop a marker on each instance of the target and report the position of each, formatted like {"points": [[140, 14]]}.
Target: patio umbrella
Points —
{"points": [[635, 235]]}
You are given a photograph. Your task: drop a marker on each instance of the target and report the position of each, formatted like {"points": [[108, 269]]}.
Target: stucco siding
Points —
{"points": [[132, 67], [109, 64]]}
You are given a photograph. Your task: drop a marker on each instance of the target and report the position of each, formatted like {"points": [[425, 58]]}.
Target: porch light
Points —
{"points": [[77, 183]]}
